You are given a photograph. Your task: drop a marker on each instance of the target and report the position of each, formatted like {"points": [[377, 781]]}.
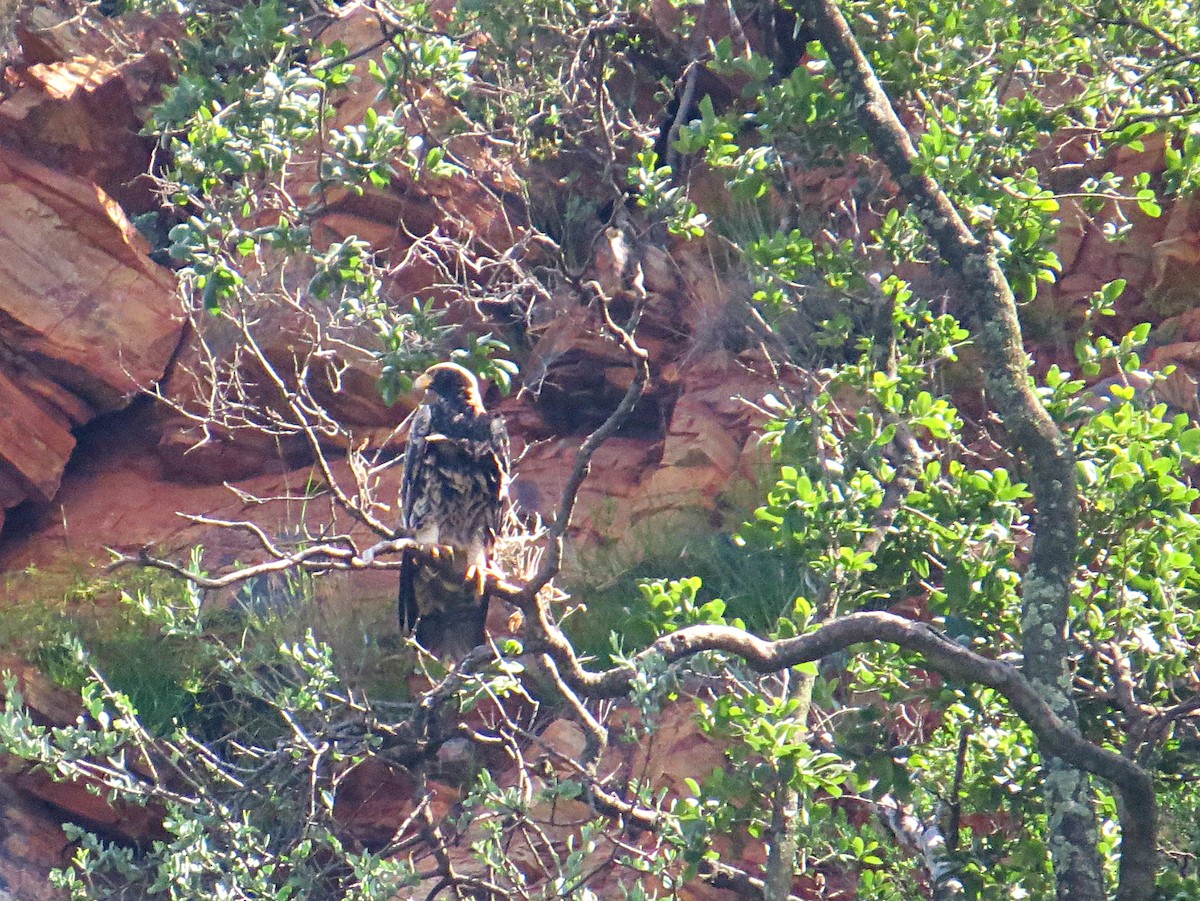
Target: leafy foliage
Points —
{"points": [[891, 489]]}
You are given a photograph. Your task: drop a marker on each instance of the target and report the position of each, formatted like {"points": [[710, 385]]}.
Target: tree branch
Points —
{"points": [[926, 839], [640, 360], [1057, 736], [1046, 587]]}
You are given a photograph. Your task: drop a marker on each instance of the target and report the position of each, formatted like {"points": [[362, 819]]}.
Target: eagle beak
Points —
{"points": [[423, 382]]}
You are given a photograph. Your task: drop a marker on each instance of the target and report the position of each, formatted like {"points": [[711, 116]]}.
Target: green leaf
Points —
{"points": [[1189, 442]]}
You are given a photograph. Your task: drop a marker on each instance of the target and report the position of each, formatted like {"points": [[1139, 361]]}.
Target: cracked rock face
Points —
{"points": [[86, 319]]}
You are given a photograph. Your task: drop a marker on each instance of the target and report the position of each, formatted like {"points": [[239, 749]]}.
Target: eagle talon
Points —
{"points": [[441, 551], [477, 578]]}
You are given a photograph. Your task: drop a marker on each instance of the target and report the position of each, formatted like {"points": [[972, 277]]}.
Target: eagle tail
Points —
{"points": [[453, 631], [447, 622]]}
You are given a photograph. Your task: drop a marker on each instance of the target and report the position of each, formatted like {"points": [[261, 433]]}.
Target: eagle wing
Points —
{"points": [[414, 464], [499, 450], [415, 468]]}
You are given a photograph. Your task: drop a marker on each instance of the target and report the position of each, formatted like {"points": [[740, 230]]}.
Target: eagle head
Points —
{"points": [[454, 384]]}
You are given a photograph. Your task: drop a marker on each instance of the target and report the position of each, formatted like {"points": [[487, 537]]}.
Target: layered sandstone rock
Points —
{"points": [[86, 320], [79, 92]]}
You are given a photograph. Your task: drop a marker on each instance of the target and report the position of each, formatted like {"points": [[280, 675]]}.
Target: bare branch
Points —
{"points": [[640, 360], [315, 558]]}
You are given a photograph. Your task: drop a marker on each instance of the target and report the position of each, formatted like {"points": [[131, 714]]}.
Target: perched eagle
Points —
{"points": [[453, 495]]}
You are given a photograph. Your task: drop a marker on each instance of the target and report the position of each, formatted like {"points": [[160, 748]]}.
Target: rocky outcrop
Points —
{"points": [[685, 474], [78, 94], [86, 319]]}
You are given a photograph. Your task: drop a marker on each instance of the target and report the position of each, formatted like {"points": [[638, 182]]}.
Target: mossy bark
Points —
{"points": [[1046, 588]]}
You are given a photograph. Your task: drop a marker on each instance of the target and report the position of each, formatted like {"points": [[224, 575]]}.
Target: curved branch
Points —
{"points": [[1056, 735]]}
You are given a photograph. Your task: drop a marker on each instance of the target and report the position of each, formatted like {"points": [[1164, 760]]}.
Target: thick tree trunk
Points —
{"points": [[992, 308]]}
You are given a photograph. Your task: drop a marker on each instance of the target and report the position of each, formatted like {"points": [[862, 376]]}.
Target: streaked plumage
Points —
{"points": [[453, 494]]}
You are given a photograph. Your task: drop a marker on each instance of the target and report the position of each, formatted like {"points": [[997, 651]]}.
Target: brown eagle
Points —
{"points": [[452, 496]]}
